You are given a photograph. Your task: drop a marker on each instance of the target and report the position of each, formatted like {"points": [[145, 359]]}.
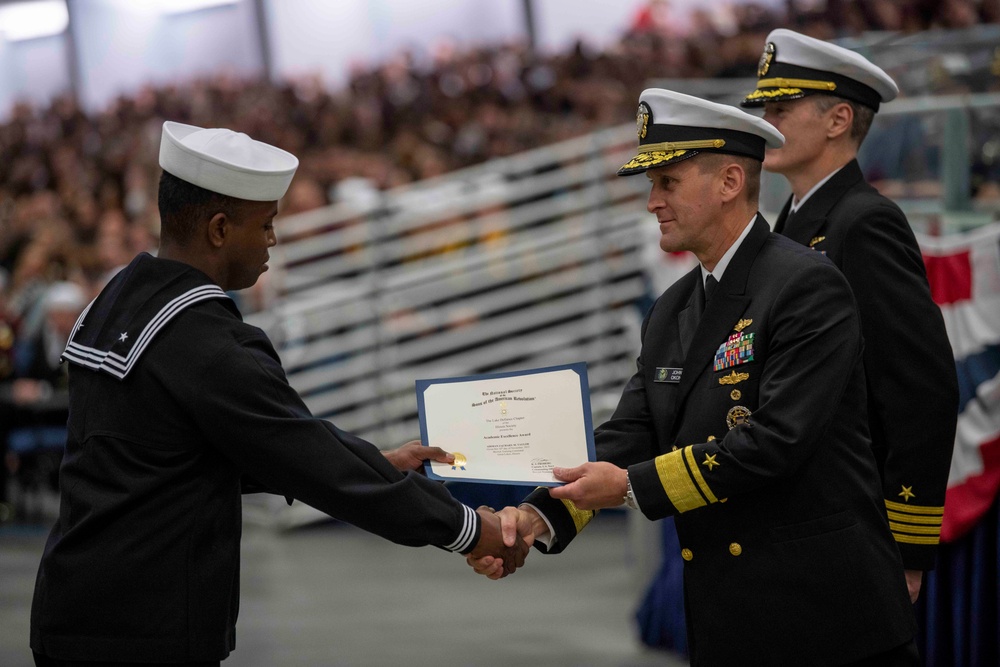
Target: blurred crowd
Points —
{"points": [[78, 190]]}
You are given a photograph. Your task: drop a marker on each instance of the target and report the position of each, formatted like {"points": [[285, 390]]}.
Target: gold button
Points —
{"points": [[735, 549], [686, 554], [674, 448], [736, 394], [710, 438], [723, 500]]}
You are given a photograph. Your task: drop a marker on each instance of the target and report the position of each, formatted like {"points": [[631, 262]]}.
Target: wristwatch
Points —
{"points": [[629, 498]]}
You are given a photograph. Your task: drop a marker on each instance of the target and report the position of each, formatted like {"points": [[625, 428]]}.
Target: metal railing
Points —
{"points": [[523, 262]]}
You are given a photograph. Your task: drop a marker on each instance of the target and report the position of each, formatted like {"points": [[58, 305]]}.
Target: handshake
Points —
{"points": [[506, 537]]}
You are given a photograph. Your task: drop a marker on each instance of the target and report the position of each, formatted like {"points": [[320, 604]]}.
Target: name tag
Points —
{"points": [[669, 375]]}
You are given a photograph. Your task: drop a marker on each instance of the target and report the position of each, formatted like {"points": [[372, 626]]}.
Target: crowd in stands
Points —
{"points": [[78, 190]]}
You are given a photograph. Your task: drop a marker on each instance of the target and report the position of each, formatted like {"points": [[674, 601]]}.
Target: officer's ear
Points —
{"points": [[839, 120], [218, 228], [732, 182]]}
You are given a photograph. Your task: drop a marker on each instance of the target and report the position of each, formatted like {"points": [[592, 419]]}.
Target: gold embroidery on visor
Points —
{"points": [[646, 160]]}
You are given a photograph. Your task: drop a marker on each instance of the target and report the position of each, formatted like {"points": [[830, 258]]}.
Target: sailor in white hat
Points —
{"points": [[823, 98], [176, 407]]}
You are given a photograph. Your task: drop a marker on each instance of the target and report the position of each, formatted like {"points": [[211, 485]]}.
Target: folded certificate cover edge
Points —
{"points": [[578, 367]]}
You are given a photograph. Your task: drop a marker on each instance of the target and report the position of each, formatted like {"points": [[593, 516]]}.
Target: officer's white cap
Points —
{"points": [[794, 65], [673, 126], [227, 162]]}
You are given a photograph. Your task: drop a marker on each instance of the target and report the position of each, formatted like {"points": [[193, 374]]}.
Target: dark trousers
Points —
{"points": [[45, 661], [901, 656]]}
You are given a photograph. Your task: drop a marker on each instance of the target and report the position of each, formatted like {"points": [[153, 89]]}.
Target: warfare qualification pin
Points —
{"points": [[737, 415]]}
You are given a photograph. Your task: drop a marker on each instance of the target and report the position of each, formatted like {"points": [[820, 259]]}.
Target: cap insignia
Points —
{"points": [[764, 63], [642, 119]]}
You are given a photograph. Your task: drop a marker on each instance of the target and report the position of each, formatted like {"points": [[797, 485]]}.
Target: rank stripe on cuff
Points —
{"points": [[580, 517], [910, 518], [914, 530], [678, 482], [913, 509], [911, 539], [696, 473], [468, 532]]}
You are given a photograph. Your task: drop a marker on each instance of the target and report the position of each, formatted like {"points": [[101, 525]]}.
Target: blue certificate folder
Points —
{"points": [[580, 368]]}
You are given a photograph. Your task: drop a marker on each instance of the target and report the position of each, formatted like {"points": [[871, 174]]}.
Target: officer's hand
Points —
{"points": [[411, 456], [914, 578], [592, 486]]}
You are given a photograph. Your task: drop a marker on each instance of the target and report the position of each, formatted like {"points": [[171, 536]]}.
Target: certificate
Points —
{"points": [[508, 428]]}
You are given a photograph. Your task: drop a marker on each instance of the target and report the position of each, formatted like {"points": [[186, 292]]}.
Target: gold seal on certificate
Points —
{"points": [[516, 426]]}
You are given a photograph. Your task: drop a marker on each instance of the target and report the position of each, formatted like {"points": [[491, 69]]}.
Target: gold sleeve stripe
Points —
{"points": [[913, 509], [698, 478], [909, 518], [915, 530], [580, 517], [909, 539], [677, 483], [811, 84]]}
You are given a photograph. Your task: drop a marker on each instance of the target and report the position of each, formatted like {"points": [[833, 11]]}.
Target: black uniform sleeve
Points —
{"points": [[912, 382], [255, 418]]}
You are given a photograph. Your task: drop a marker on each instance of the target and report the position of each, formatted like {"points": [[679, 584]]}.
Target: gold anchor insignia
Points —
{"points": [[816, 240], [734, 378], [642, 120], [742, 324], [764, 63]]}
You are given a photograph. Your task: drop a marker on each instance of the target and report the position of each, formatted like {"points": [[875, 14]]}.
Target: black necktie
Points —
{"points": [[788, 222], [710, 284]]}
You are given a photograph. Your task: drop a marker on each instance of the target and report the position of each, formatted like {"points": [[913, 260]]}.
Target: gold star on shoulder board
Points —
{"points": [[907, 493], [710, 461]]}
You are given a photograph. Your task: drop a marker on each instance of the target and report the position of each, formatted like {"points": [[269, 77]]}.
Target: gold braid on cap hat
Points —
{"points": [[671, 146], [780, 82]]}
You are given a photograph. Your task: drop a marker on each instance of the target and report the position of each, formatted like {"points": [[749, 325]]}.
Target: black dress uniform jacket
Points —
{"points": [[748, 424], [909, 363], [174, 400]]}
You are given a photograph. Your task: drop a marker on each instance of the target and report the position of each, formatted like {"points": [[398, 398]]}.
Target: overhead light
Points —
{"points": [[30, 20], [184, 6]]}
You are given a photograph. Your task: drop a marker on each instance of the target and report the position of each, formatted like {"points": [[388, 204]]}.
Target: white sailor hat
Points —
{"points": [[227, 162], [674, 127], [793, 66], [63, 296]]}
